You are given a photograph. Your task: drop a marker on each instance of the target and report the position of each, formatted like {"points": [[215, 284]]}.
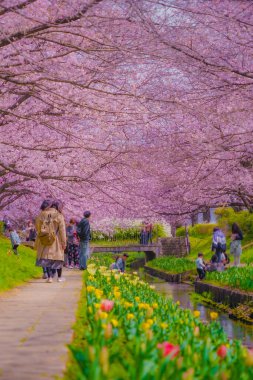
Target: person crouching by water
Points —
{"points": [[51, 238], [201, 267], [15, 240], [120, 263]]}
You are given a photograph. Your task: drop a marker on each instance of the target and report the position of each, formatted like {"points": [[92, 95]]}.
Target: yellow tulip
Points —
{"points": [[150, 321], [90, 288], [98, 293], [149, 312], [102, 314], [143, 306], [196, 331], [145, 326], [114, 322], [108, 331], [249, 357], [155, 305], [137, 299], [127, 304], [164, 325], [104, 360], [91, 353], [213, 315], [130, 316], [196, 313]]}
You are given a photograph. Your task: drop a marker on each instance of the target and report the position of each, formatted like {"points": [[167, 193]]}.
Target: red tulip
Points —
{"points": [[168, 349], [222, 351], [106, 305]]}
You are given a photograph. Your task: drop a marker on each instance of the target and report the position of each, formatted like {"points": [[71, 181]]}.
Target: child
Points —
{"points": [[201, 268], [15, 240]]}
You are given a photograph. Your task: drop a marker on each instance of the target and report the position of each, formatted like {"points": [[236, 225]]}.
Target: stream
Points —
{"points": [[182, 293]]}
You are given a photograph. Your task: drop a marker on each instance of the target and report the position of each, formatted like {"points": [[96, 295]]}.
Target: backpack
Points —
{"points": [[47, 234]]}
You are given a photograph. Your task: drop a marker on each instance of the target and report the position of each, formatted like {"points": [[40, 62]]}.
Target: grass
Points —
{"points": [[114, 243], [203, 244], [172, 264], [15, 270], [239, 278]]}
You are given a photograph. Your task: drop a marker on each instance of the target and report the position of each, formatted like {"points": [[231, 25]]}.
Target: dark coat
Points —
{"points": [[83, 230]]}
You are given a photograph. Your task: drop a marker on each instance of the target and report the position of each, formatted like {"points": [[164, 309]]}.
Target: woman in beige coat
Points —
{"points": [[51, 256]]}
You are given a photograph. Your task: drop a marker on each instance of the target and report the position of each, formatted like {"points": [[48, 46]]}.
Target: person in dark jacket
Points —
{"points": [[84, 234]]}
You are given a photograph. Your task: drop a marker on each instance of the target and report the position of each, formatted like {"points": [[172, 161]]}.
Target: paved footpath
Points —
{"points": [[35, 326]]}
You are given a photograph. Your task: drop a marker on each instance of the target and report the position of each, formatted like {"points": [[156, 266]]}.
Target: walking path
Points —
{"points": [[35, 326]]}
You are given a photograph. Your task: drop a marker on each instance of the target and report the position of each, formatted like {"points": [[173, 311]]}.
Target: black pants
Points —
{"points": [[15, 249], [51, 272], [201, 273]]}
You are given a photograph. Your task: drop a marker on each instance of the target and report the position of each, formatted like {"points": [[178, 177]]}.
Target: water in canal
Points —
{"points": [[182, 293]]}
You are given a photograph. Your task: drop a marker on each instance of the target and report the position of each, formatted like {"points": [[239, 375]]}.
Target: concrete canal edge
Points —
{"points": [[169, 277], [231, 297]]}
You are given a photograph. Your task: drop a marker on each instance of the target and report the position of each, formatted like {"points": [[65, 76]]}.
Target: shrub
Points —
{"points": [[228, 216], [199, 230]]}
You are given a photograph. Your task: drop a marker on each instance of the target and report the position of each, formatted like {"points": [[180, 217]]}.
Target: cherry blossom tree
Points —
{"points": [[131, 108]]}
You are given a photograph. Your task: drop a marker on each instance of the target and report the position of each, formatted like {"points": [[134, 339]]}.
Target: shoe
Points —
{"points": [[77, 266], [44, 276], [71, 266], [60, 279], [49, 280]]}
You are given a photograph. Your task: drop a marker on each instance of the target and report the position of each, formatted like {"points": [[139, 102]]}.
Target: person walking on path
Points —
{"points": [[72, 245], [51, 238], [84, 234], [236, 244], [15, 240], [219, 242]]}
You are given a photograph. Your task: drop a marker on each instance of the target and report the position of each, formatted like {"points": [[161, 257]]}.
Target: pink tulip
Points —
{"points": [[106, 305], [168, 349], [222, 351]]}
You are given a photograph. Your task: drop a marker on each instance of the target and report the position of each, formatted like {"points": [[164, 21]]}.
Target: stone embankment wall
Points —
{"points": [[169, 277], [174, 246], [231, 297]]}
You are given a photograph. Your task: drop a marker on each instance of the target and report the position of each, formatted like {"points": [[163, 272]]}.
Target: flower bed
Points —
{"points": [[240, 278], [131, 332], [172, 265]]}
